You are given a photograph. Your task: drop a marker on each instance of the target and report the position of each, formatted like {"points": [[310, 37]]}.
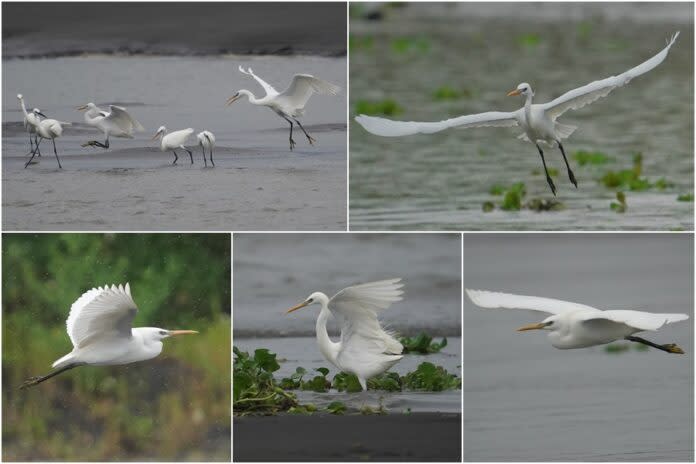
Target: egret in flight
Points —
{"points": [[574, 325], [538, 121], [206, 139], [173, 140], [48, 129], [365, 348], [116, 122], [100, 327], [288, 104], [31, 121]]}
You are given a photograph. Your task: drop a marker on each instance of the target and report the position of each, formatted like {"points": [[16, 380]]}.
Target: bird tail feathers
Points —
{"points": [[564, 130], [65, 360]]}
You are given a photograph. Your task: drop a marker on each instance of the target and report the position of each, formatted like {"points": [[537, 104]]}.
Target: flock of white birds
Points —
{"points": [[118, 122]]}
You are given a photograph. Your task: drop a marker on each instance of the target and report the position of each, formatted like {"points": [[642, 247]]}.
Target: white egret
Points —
{"points": [[574, 325], [538, 121], [31, 121], [100, 328], [288, 104], [206, 139], [365, 348], [117, 122], [173, 140], [48, 129]]}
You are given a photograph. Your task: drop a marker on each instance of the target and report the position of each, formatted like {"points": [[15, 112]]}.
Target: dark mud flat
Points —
{"points": [[405, 437]]}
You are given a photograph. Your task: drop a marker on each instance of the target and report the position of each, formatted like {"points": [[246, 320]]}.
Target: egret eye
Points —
{"points": [[162, 332], [310, 300]]}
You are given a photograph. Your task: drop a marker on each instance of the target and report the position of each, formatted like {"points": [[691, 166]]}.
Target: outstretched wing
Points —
{"points": [[104, 312], [577, 98], [303, 86], [270, 91], [123, 119], [389, 128], [639, 320], [357, 308], [493, 300]]}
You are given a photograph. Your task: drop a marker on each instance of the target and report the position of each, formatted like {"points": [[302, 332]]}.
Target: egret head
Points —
{"points": [[550, 323], [88, 106], [160, 132], [157, 334], [522, 89], [38, 112], [234, 98], [316, 297], [19, 96]]}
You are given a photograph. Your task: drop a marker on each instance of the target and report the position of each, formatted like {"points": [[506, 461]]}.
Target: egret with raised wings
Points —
{"points": [[206, 139], [365, 348], [117, 122], [100, 327], [574, 325], [538, 121], [290, 103], [173, 140]]}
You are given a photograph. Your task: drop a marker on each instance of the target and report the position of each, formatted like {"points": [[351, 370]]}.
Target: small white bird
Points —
{"points": [[206, 139], [31, 121], [538, 121], [288, 104], [365, 349], [574, 325], [117, 122], [100, 327], [48, 129], [173, 140]]}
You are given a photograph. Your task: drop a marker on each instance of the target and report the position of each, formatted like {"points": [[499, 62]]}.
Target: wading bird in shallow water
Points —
{"points": [[288, 104], [31, 122], [574, 325], [365, 348], [100, 329], [48, 129], [538, 121], [173, 140], [116, 122], [206, 139]]}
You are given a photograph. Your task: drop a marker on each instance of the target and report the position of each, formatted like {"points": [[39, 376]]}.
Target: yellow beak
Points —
{"points": [[155, 136], [182, 332], [82, 108], [299, 306], [232, 99], [536, 326], [512, 93]]}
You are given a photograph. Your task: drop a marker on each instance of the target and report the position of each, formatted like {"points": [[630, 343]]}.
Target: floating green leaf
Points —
{"points": [[422, 343]]}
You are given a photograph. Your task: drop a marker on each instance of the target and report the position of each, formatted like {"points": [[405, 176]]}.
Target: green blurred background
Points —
{"points": [[172, 408]]}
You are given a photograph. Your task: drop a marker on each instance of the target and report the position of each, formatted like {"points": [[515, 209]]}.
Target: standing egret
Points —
{"points": [[48, 129], [206, 139], [117, 122], [173, 140], [574, 325], [538, 121], [365, 349], [31, 121], [288, 104], [100, 329]]}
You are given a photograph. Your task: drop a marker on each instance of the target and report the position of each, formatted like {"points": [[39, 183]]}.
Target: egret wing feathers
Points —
{"points": [[389, 128], [270, 91], [101, 312], [577, 98], [639, 320], [491, 300], [303, 86], [123, 119]]}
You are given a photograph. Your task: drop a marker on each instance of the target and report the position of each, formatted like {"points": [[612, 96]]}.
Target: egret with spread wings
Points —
{"points": [[117, 122], [365, 348], [100, 327], [290, 103], [538, 121], [574, 325]]}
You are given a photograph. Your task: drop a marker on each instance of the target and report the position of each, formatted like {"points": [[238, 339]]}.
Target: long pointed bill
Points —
{"points": [[299, 306], [155, 136], [81, 108], [181, 332], [232, 99], [537, 326], [512, 93]]}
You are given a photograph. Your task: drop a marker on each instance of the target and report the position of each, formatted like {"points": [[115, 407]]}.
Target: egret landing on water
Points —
{"points": [[574, 325], [100, 329], [173, 140], [206, 139], [117, 122], [365, 349], [288, 104], [538, 121], [31, 122]]}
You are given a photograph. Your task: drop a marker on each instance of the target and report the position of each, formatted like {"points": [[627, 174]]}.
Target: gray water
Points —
{"points": [[527, 401], [258, 183], [440, 181]]}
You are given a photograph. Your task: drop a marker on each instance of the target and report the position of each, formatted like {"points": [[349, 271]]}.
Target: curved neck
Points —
{"points": [[252, 99], [91, 116], [528, 101], [326, 346], [24, 109]]}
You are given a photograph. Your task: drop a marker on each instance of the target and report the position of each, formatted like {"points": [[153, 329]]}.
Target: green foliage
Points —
{"points": [[487, 206], [388, 381], [387, 107], [446, 92], [346, 382], [553, 172], [254, 389], [531, 40], [590, 157], [620, 205], [631, 179], [430, 377], [356, 42], [410, 44], [512, 200], [422, 344], [497, 189], [686, 197], [337, 407]]}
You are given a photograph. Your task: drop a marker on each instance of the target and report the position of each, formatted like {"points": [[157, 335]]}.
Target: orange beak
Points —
{"points": [[181, 332], [512, 93], [536, 326], [295, 308]]}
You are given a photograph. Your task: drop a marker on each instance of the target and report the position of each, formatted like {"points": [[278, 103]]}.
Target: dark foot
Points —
{"points": [[571, 176], [672, 348], [292, 144], [29, 382], [311, 140], [173, 162], [551, 184]]}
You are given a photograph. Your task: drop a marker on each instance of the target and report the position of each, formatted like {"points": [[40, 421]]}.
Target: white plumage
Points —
{"points": [[574, 325], [206, 139], [365, 348], [538, 121], [31, 122], [173, 140], [116, 122]]}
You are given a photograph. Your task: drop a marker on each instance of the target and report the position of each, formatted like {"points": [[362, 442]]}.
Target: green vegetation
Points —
{"points": [[620, 205], [387, 107], [337, 407], [174, 407], [531, 40], [512, 200], [590, 157], [422, 344], [359, 42], [686, 197], [254, 388], [488, 206], [446, 92], [630, 179], [410, 44], [497, 189], [430, 377]]}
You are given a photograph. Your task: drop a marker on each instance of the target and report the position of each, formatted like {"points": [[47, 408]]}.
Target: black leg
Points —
{"points": [[37, 380], [36, 144], [190, 154], [546, 171], [309, 138], [33, 153], [175, 156], [571, 176], [211, 156], [205, 162], [292, 142], [55, 152], [94, 143], [669, 348]]}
